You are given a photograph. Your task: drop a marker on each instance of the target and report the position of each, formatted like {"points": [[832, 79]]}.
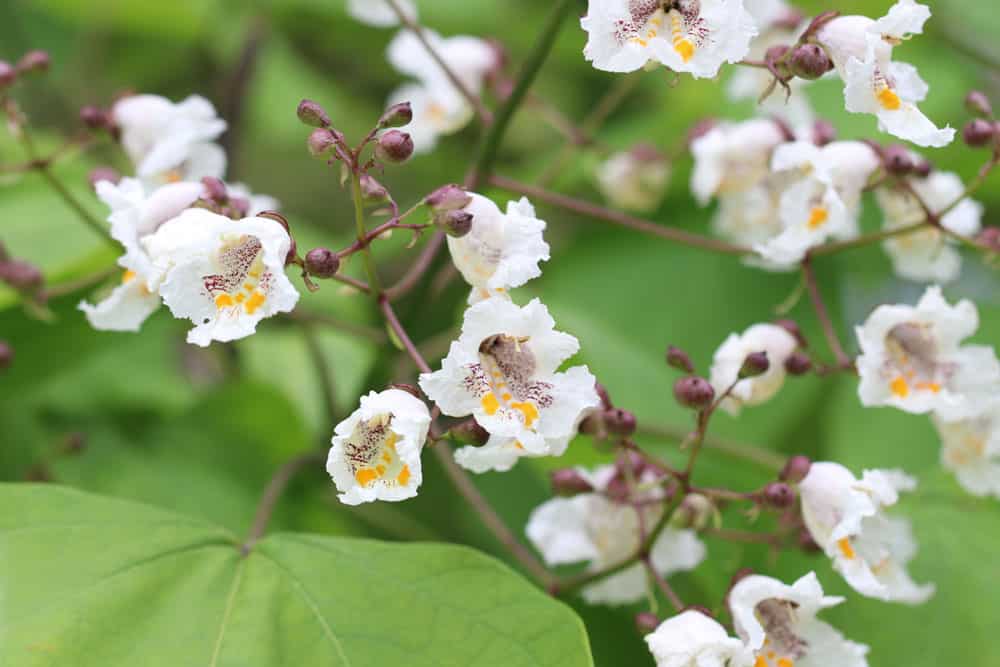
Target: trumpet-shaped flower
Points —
{"points": [[779, 625], [694, 36], [596, 528], [379, 13], [733, 157], [692, 639], [911, 359], [845, 517], [502, 250], [502, 370], [634, 180], [224, 275], [376, 451], [970, 448], [729, 358]]}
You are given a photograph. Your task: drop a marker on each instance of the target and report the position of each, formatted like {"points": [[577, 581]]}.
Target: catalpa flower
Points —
{"points": [[779, 625], [376, 451], [823, 199], [502, 371], [911, 358], [634, 180], [845, 517], [861, 50], [170, 142], [379, 13], [729, 358], [733, 157], [928, 255], [692, 639], [595, 528], [695, 36], [438, 107], [224, 275], [750, 216], [135, 214], [501, 250], [970, 448]]}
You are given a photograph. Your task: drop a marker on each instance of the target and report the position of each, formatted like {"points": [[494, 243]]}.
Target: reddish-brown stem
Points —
{"points": [[829, 332], [663, 585], [423, 262], [272, 494]]}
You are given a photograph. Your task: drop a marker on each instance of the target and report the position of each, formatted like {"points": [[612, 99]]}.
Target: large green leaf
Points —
{"points": [[93, 581]]}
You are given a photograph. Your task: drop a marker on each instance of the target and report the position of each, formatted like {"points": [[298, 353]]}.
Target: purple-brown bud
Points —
{"points": [[397, 115], [809, 61], [20, 275], [679, 359], [372, 191], [979, 132], [94, 118], [394, 146], [322, 263], [469, 432], [6, 355], [8, 74], [776, 53], [448, 198], [700, 129], [978, 104], [34, 61], [567, 482], [454, 223], [778, 495], [321, 141], [798, 363], [312, 114], [99, 174], [897, 160], [694, 392], [755, 364], [792, 327], [990, 237], [215, 189], [619, 422], [646, 622], [795, 470], [923, 168], [823, 132]]}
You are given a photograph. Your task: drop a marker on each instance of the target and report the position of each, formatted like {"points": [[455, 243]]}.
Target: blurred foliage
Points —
{"points": [[201, 431]]}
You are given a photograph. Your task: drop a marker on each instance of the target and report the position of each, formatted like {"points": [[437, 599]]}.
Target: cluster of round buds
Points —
{"points": [[984, 130], [447, 205], [798, 362], [20, 275], [32, 62], [217, 199], [607, 420]]}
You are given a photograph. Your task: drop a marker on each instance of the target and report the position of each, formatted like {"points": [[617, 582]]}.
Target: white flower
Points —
{"points": [[778, 623], [502, 370], [970, 448], [224, 275], [134, 216], [928, 255], [911, 359], [695, 36], [824, 201], [438, 107], [750, 216], [376, 451], [634, 180], [729, 358], [692, 639], [170, 142], [845, 517], [379, 13], [733, 157], [500, 251], [861, 50], [592, 527]]}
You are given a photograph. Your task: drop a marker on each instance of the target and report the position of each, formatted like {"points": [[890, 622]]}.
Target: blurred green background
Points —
{"points": [[202, 431]]}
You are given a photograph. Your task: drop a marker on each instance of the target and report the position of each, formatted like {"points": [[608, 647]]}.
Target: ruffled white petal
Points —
{"points": [[125, 309], [692, 639]]}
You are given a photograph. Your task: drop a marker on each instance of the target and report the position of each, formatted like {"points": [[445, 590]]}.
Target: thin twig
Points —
{"points": [[829, 331], [69, 287], [762, 457], [665, 588], [272, 494]]}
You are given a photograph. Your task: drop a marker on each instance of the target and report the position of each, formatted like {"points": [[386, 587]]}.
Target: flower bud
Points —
{"points": [[94, 118], [394, 146], [567, 482], [990, 237], [322, 263], [810, 61], [469, 432], [778, 495], [700, 129], [795, 470], [321, 141], [792, 327], [776, 53], [103, 174], [20, 275], [8, 74], [978, 104], [923, 168], [448, 198], [620, 422], [454, 223], [312, 114], [240, 207], [646, 622], [694, 392], [408, 388], [6, 355], [798, 363], [755, 364], [679, 359], [693, 512], [372, 191], [397, 115], [897, 160], [34, 61], [823, 132], [215, 189], [978, 132], [807, 543]]}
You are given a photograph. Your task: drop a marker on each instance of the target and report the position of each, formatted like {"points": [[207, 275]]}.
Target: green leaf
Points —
{"points": [[94, 581]]}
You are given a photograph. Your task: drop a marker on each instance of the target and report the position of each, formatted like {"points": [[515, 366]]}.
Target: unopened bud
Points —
{"points": [[694, 392], [778, 495], [20, 275], [312, 114], [807, 543], [215, 189], [567, 482], [700, 129], [469, 432], [776, 53], [646, 622], [372, 191], [397, 115], [978, 104], [990, 237], [792, 327], [923, 168], [897, 160], [809, 61], [978, 132], [322, 263], [94, 117], [454, 223], [408, 388], [394, 146], [755, 364], [693, 512], [448, 198], [103, 174], [8, 74], [321, 141], [798, 363], [679, 359], [795, 470], [823, 132], [620, 422], [240, 207], [34, 61], [6, 355]]}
